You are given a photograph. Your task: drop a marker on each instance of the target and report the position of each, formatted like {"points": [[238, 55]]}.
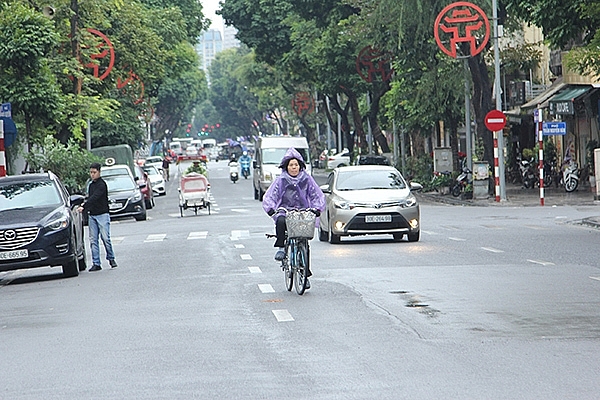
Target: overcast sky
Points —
{"points": [[209, 7]]}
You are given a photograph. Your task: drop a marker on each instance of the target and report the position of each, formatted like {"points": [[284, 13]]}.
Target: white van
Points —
{"points": [[268, 153], [176, 147]]}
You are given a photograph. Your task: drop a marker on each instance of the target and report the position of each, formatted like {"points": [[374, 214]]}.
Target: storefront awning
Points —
{"points": [[541, 100], [562, 103]]}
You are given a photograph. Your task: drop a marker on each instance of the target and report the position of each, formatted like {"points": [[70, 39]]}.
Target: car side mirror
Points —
{"points": [[142, 186], [254, 164], [325, 189], [415, 186]]}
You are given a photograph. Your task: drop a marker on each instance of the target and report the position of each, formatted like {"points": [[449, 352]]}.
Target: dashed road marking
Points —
{"points": [[283, 315], [245, 256], [117, 240], [544, 263], [457, 239], [596, 278], [236, 235], [156, 238], [266, 288], [240, 210], [491, 249], [197, 235], [429, 232], [255, 270], [240, 246]]}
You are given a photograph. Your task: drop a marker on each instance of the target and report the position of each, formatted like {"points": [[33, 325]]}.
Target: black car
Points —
{"points": [[40, 225], [124, 196]]}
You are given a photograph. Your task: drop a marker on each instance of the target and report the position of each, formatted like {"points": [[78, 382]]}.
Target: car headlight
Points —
{"points": [[58, 221], [137, 196], [343, 205], [160, 182], [411, 200]]}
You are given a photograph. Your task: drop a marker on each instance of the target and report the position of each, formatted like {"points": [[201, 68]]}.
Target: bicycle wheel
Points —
{"points": [[288, 274], [301, 267]]}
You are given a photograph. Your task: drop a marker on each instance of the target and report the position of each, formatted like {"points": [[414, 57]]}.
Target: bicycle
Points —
{"points": [[296, 263]]}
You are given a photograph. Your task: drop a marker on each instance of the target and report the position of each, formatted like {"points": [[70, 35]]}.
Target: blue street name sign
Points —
{"points": [[5, 110], [554, 128]]}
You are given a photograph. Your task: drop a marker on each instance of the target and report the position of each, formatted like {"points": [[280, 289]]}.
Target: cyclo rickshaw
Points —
{"points": [[193, 186]]}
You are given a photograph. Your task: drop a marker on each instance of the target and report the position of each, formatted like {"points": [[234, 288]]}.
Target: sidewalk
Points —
{"points": [[517, 196]]}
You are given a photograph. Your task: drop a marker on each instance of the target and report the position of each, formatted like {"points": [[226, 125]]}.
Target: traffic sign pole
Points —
{"points": [[2, 156], [541, 153], [498, 99]]}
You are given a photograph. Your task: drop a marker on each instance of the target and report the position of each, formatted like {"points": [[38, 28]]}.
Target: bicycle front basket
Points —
{"points": [[300, 224]]}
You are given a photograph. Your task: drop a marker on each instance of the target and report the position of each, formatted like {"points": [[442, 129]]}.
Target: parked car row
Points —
{"points": [[343, 158]]}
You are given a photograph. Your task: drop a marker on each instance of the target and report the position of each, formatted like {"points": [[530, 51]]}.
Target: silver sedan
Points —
{"points": [[369, 200]]}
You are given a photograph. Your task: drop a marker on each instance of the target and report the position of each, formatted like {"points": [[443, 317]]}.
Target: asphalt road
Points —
{"points": [[493, 302]]}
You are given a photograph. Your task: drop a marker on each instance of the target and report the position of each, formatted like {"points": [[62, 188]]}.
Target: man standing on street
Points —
{"points": [[96, 206]]}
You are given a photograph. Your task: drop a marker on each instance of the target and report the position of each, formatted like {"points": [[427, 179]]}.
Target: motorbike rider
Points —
{"points": [[245, 160], [293, 189]]}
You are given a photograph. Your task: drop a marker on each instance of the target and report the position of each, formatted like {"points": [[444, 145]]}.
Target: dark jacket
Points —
{"points": [[97, 201]]}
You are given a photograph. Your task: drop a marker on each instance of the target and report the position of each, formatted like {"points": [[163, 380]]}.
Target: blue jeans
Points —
{"points": [[99, 225]]}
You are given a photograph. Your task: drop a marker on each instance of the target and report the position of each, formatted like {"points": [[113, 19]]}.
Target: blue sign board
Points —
{"points": [[5, 110], [554, 128]]}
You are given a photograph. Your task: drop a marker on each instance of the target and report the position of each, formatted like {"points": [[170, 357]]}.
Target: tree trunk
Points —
{"points": [[482, 104], [359, 132], [378, 136]]}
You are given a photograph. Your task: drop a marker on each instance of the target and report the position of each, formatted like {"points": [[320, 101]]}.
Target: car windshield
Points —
{"points": [[28, 194], [369, 179], [114, 171], [117, 183], [150, 170], [274, 156], [153, 160]]}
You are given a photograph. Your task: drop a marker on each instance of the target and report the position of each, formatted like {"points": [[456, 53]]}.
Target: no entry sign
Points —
{"points": [[495, 120]]}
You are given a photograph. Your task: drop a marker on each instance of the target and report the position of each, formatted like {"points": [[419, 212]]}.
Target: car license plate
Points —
{"points": [[13, 255], [114, 206], [378, 218]]}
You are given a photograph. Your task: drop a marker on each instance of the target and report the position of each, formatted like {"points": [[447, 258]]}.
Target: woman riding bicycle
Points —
{"points": [[293, 189]]}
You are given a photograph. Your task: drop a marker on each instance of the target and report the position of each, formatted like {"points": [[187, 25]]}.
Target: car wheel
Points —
{"points": [[398, 237], [333, 238], [414, 236], [323, 235], [141, 217], [82, 261]]}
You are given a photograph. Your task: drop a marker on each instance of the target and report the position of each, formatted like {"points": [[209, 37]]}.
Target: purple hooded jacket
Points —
{"points": [[293, 192]]}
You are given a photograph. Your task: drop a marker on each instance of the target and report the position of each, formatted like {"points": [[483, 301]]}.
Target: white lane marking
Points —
{"points": [[197, 235], [429, 232], [156, 238], [451, 228], [457, 239], [283, 315], [236, 235], [117, 240], [266, 288], [597, 278], [492, 250], [240, 246], [255, 270], [544, 263], [536, 227], [245, 256], [240, 210]]}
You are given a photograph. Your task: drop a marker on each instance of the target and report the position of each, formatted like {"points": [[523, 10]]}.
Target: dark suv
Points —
{"points": [[40, 225]]}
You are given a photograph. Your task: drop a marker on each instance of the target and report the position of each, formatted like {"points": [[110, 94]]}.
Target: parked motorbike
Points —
{"points": [[570, 176], [233, 171], [461, 182], [245, 168]]}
